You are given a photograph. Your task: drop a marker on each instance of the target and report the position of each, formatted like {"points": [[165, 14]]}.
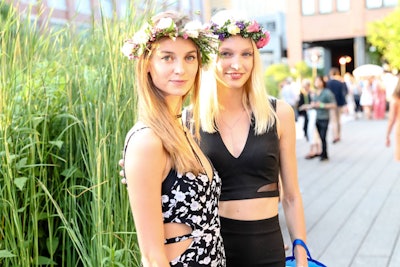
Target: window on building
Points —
{"points": [[83, 6], [270, 26], [342, 5], [325, 6], [107, 8], [307, 7], [381, 3], [374, 3], [57, 4], [390, 3]]}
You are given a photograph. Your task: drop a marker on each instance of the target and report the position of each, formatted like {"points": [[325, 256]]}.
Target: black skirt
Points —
{"points": [[253, 243]]}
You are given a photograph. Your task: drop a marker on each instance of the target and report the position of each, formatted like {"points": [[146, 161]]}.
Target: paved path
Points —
{"points": [[352, 201]]}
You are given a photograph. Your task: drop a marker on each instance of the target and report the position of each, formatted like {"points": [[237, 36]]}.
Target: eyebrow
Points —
{"points": [[170, 52], [241, 51]]}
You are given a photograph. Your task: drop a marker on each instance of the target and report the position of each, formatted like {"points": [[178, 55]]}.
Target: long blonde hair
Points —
{"points": [[154, 112], [255, 99]]}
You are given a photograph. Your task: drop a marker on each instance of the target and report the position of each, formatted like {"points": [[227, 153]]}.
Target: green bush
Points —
{"points": [[66, 102]]}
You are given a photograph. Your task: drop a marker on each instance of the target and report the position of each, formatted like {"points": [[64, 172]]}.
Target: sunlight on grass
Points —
{"points": [[66, 101]]}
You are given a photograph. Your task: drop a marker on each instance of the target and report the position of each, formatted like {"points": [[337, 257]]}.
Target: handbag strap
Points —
{"points": [[301, 243]]}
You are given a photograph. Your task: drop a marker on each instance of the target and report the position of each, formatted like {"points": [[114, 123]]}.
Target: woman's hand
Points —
{"points": [[121, 172]]}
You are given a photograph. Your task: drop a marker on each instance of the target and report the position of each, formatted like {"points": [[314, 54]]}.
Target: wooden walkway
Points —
{"points": [[352, 201]]}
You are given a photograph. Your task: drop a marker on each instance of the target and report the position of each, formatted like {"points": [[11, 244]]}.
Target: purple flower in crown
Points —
{"points": [[241, 25]]}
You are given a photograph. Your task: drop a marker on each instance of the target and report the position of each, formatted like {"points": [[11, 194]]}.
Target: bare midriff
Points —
{"points": [[249, 209]]}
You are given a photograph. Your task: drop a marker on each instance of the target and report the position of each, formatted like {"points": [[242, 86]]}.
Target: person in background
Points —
{"points": [[311, 113], [339, 90], [172, 186], [354, 94], [250, 138], [367, 96], [290, 94], [323, 102], [304, 99], [394, 121], [379, 103]]}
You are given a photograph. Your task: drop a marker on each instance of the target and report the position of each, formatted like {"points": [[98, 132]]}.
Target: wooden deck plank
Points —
{"points": [[352, 202]]}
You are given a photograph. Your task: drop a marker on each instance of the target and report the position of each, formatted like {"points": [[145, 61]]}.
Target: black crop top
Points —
{"points": [[255, 173]]}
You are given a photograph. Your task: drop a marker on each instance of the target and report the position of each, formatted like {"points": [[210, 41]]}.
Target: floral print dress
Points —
{"points": [[193, 200]]}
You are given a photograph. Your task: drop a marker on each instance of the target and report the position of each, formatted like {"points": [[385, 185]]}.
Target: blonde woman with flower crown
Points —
{"points": [[250, 138], [172, 186]]}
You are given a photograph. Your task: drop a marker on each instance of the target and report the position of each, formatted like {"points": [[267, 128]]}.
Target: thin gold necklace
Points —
{"points": [[234, 124]]}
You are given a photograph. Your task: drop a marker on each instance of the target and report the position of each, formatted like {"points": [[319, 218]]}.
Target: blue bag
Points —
{"points": [[291, 261]]}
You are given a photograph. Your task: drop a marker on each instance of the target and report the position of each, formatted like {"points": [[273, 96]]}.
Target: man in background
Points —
{"points": [[339, 89]]}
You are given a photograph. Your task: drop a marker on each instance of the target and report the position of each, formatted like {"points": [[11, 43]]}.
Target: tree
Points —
{"points": [[274, 75], [385, 36]]}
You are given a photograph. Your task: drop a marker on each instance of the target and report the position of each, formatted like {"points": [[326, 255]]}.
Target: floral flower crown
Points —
{"points": [[246, 28], [166, 27]]}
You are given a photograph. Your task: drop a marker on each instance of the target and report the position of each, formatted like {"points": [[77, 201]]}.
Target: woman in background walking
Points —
{"points": [[394, 120]]}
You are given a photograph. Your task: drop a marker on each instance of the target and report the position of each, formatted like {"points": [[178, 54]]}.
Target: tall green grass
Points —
{"points": [[66, 102]]}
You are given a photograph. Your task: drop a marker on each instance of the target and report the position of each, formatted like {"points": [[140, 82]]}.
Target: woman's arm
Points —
{"points": [[291, 198], [145, 169], [391, 118]]}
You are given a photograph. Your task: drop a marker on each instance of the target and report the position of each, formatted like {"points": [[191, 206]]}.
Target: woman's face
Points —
{"points": [[173, 66], [235, 62], [318, 83]]}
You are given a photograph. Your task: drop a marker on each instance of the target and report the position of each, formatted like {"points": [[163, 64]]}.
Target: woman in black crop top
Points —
{"points": [[173, 188], [251, 142]]}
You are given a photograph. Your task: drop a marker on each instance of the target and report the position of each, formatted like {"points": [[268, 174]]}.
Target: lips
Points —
{"points": [[178, 82], [235, 76]]}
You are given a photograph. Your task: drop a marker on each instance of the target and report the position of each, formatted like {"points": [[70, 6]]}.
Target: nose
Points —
{"points": [[235, 66], [179, 67]]}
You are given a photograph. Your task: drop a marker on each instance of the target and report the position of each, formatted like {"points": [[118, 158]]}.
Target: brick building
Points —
{"points": [[323, 31]]}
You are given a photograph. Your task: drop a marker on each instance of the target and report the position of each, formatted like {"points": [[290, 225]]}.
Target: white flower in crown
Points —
{"points": [[141, 37], [164, 23], [127, 49], [233, 29], [192, 29]]}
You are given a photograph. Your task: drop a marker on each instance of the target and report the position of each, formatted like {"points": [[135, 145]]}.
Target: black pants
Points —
{"points": [[305, 125], [253, 243], [322, 127]]}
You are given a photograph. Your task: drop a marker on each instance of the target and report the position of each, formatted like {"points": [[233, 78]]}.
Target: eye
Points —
{"points": [[247, 54], [191, 58], [225, 54], [167, 58]]}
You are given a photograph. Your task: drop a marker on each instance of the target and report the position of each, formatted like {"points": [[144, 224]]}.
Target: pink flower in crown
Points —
{"points": [[254, 27], [263, 41]]}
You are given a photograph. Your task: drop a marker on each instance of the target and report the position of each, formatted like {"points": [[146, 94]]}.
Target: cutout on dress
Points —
{"points": [[268, 187]]}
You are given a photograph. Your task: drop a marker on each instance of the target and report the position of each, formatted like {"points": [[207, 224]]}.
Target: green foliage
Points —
{"points": [[385, 36], [66, 102], [302, 70], [274, 75]]}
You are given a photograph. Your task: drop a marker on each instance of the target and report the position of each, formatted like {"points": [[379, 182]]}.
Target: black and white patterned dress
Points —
{"points": [[193, 200]]}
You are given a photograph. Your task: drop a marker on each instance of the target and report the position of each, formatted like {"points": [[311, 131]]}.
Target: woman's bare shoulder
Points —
{"points": [[283, 110], [142, 138]]}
